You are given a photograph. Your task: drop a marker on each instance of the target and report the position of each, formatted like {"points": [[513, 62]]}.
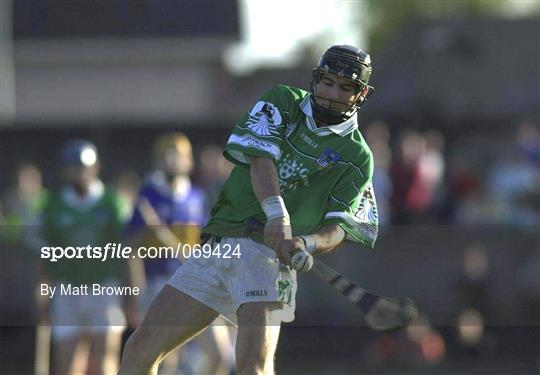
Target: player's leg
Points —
{"points": [[70, 354], [216, 346], [105, 325], [263, 293], [221, 334], [173, 318], [258, 333], [106, 350], [154, 284], [169, 364], [70, 346]]}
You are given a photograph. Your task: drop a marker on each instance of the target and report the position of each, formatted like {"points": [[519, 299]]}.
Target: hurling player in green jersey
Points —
{"points": [[83, 212], [302, 168]]}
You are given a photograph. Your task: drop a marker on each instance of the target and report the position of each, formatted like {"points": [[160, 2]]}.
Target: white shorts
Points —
{"points": [[74, 315], [225, 284]]}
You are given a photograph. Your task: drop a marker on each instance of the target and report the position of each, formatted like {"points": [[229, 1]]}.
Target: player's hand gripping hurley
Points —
{"points": [[381, 313]]}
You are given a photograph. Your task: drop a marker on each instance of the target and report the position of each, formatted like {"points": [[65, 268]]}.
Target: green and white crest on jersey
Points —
{"points": [[327, 159], [264, 119], [367, 210], [290, 169], [285, 291]]}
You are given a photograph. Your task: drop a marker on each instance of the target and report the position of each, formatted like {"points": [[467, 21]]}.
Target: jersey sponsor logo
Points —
{"points": [[251, 141], [264, 119], [327, 159], [369, 231], [256, 293]]}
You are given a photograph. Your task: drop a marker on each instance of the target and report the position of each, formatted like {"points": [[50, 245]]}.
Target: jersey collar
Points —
{"points": [[159, 181], [95, 192], [341, 129]]}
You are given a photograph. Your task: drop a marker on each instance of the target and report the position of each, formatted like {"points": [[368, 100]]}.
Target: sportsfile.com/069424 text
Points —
{"points": [[119, 251]]}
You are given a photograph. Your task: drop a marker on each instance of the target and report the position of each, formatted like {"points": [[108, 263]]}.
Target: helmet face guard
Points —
{"points": [[342, 61]]}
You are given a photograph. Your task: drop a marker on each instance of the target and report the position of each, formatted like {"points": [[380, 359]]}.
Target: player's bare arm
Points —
{"points": [[265, 183], [325, 240]]}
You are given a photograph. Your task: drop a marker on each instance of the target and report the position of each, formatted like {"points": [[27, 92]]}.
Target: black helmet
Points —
{"points": [[79, 152], [344, 61]]}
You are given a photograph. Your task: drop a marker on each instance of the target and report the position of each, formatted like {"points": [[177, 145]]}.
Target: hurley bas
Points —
{"points": [[88, 290]]}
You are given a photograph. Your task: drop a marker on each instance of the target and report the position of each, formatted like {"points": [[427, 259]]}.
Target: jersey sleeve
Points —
{"points": [[352, 206], [200, 214], [136, 222], [118, 218], [136, 225], [261, 131]]}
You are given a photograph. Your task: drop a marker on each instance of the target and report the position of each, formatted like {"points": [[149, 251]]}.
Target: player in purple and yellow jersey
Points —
{"points": [[173, 201]]}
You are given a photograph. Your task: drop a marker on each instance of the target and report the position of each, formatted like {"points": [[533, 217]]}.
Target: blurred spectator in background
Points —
{"points": [[424, 196], [168, 197], [469, 202], [86, 329], [403, 171], [418, 175], [378, 139], [431, 174], [514, 181], [23, 203], [19, 238], [472, 299], [214, 171], [528, 139]]}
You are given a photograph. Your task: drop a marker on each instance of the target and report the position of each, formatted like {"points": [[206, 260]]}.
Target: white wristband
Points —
{"points": [[274, 207], [311, 244]]}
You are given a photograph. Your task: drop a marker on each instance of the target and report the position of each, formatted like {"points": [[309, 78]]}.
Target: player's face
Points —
{"points": [[336, 93], [80, 175], [176, 161]]}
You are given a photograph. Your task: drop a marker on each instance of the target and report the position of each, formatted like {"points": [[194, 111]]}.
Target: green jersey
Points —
{"points": [[325, 173], [95, 221]]}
